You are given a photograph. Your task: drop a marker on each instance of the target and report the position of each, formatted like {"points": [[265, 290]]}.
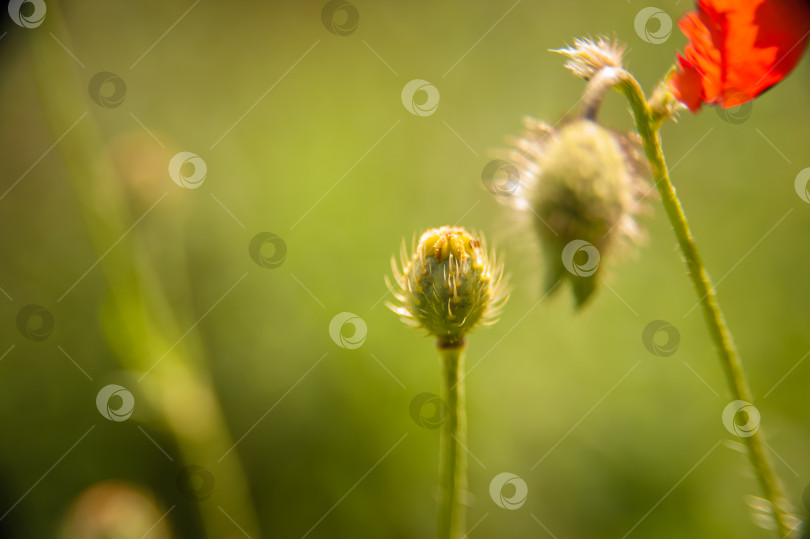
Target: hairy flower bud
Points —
{"points": [[449, 285], [582, 184]]}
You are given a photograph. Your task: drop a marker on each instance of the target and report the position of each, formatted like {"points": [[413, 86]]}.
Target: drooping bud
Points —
{"points": [[449, 285], [583, 185]]}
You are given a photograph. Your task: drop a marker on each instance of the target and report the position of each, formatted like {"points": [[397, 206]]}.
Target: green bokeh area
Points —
{"points": [[304, 135]]}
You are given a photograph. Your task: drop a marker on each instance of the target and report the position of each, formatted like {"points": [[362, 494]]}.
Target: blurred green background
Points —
{"points": [[304, 135]]}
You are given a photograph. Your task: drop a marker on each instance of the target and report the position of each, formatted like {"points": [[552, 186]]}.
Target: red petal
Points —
{"points": [[686, 85], [738, 49]]}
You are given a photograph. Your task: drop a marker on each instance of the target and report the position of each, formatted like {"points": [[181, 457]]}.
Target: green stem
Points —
{"points": [[139, 320], [453, 462], [648, 123]]}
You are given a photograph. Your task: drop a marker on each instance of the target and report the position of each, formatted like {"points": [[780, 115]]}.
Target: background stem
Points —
{"points": [[648, 124], [139, 319], [452, 462]]}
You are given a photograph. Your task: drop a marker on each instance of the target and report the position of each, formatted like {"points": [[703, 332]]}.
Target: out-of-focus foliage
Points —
{"points": [[305, 136]]}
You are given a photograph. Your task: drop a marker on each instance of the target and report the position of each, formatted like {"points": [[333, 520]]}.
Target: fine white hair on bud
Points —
{"points": [[587, 56], [448, 285], [582, 186]]}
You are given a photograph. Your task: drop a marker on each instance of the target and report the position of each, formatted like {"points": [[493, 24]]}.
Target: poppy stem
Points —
{"points": [[648, 124], [596, 90], [453, 462]]}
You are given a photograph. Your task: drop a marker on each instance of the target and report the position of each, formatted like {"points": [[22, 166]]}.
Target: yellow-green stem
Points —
{"points": [[648, 123], [139, 322], [453, 462]]}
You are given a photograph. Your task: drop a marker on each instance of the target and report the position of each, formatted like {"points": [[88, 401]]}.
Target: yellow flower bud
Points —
{"points": [[449, 285]]}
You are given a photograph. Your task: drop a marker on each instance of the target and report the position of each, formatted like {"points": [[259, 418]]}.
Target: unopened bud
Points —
{"points": [[448, 285], [582, 184]]}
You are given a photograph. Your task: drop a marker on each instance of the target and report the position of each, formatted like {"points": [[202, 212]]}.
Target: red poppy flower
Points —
{"points": [[738, 49]]}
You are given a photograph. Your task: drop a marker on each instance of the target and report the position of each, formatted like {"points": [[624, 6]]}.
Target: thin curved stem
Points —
{"points": [[648, 124], [139, 318], [453, 462], [597, 88]]}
